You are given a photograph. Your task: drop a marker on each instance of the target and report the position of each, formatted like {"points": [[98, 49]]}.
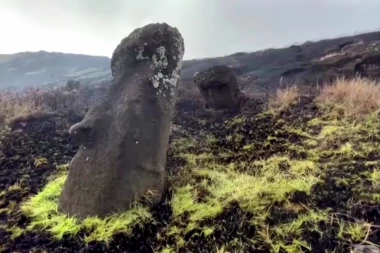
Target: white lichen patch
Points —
{"points": [[140, 56], [168, 82], [160, 60], [155, 81]]}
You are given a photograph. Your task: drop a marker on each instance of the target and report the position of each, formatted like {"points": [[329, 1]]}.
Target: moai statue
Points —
{"points": [[124, 138], [219, 87]]}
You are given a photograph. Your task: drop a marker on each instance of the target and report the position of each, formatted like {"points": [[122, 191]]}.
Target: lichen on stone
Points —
{"points": [[160, 61], [169, 82], [155, 81], [140, 56]]}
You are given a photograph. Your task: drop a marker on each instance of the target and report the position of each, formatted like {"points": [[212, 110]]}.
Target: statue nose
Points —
{"points": [[81, 132]]}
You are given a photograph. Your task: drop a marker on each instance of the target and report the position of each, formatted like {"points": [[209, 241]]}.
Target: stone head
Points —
{"points": [[125, 137]]}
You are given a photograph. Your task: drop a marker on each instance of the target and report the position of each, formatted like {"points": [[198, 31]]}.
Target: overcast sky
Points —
{"points": [[209, 27]]}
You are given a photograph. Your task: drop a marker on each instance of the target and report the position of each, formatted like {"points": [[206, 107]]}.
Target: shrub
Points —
{"points": [[284, 98], [11, 108], [36, 102], [356, 98]]}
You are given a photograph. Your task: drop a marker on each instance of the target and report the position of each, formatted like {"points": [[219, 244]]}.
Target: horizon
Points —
{"points": [[210, 29], [201, 58]]}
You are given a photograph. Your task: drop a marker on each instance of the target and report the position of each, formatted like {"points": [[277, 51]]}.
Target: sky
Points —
{"points": [[210, 27]]}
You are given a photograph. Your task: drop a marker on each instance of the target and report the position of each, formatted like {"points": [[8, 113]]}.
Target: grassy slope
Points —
{"points": [[301, 178]]}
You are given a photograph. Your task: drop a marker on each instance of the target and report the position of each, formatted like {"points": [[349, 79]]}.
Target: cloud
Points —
{"points": [[210, 27]]}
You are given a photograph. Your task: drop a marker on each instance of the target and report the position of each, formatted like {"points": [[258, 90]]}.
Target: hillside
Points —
{"points": [[41, 68], [308, 64]]}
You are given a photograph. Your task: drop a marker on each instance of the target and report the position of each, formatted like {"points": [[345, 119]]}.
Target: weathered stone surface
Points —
{"points": [[219, 87], [125, 137]]}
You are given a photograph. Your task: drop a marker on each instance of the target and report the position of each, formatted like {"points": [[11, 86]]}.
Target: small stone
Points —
{"points": [[364, 249]]}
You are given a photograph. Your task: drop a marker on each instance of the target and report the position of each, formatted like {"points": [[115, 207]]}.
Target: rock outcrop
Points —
{"points": [[125, 137], [219, 87]]}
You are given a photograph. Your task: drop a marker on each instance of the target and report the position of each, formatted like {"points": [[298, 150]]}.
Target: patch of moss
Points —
{"points": [[209, 188], [43, 211], [207, 231], [375, 177], [15, 232], [354, 232], [168, 250], [288, 237], [183, 144]]}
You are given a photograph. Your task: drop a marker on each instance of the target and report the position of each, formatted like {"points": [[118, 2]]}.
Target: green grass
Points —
{"points": [[375, 176], [327, 149], [15, 188], [356, 232], [43, 210], [15, 232], [168, 250], [225, 186], [38, 162], [274, 181], [258, 185]]}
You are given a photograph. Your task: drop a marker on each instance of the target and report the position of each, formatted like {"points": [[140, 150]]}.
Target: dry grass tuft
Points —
{"points": [[10, 110], [356, 98], [284, 98], [39, 114], [33, 103]]}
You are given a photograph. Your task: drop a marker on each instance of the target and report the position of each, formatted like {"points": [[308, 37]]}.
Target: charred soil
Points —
{"points": [[299, 180]]}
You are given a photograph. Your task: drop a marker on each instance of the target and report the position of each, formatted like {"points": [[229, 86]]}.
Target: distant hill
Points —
{"points": [[306, 64], [44, 68]]}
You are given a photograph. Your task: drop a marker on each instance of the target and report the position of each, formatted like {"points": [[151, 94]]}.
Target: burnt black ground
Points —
{"points": [[49, 139], [20, 148]]}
